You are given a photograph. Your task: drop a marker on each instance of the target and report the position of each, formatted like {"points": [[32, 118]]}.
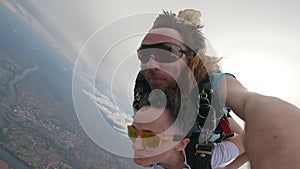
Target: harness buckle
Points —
{"points": [[204, 149]]}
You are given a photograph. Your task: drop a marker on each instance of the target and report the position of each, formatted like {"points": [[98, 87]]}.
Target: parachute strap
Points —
{"points": [[204, 100], [203, 155], [211, 111], [198, 155], [207, 120]]}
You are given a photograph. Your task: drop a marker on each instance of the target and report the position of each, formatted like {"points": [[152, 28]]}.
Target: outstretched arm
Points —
{"points": [[271, 130]]}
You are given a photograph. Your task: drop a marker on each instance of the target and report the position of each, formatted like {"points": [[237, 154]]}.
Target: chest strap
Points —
{"points": [[198, 155]]}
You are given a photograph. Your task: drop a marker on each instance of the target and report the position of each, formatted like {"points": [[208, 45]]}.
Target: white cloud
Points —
{"points": [[110, 110]]}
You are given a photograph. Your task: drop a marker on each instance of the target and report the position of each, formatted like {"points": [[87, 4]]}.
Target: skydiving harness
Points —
{"points": [[211, 120], [199, 150]]}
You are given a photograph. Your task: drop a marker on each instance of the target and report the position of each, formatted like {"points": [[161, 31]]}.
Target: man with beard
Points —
{"points": [[172, 56]]}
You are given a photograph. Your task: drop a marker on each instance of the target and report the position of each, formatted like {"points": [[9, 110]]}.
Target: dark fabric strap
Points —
{"points": [[203, 155], [198, 155], [205, 104]]}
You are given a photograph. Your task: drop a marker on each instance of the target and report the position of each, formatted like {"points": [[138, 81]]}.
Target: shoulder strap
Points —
{"points": [[199, 150], [210, 109], [204, 97]]}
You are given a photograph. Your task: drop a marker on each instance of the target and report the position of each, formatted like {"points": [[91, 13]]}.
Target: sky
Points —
{"points": [[258, 40]]}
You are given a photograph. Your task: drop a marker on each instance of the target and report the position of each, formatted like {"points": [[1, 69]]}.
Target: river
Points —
{"points": [[12, 160], [17, 78]]}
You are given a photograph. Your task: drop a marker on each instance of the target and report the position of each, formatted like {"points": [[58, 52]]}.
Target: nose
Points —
{"points": [[138, 144], [151, 64]]}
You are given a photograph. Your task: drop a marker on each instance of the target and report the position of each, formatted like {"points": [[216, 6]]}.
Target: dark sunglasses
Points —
{"points": [[150, 139], [166, 52]]}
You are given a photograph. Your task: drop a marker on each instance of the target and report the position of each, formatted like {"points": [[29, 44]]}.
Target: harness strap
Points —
{"points": [[199, 150], [198, 155], [203, 155], [209, 103]]}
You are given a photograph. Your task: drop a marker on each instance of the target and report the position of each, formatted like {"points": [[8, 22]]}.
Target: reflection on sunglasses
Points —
{"points": [[150, 139], [162, 52]]}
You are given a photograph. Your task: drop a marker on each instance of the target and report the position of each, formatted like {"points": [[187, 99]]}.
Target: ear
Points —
{"points": [[182, 144]]}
